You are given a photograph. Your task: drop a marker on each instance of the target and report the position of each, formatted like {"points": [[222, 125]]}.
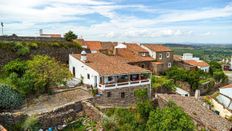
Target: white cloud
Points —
{"points": [[31, 13]]}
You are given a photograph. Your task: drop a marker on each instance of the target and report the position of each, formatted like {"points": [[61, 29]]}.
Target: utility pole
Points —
{"points": [[2, 27]]}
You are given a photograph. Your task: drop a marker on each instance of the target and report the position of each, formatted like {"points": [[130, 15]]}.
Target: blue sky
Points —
{"points": [[149, 21]]}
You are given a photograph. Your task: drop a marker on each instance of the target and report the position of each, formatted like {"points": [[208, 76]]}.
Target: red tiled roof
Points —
{"points": [[227, 86], [129, 56], [177, 57], [110, 65], [135, 48], [157, 47], [196, 63], [93, 45]]}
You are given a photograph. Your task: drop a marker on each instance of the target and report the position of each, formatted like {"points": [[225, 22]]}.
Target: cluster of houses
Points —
{"points": [[117, 69]]}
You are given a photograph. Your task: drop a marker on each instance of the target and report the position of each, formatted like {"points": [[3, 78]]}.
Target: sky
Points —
{"points": [[145, 21]]}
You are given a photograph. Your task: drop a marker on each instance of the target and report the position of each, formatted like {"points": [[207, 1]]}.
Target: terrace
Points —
{"points": [[124, 80]]}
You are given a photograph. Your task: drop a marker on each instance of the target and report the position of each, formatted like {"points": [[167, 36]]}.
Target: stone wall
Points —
{"points": [[60, 53], [58, 116], [61, 115], [8, 118], [115, 96]]}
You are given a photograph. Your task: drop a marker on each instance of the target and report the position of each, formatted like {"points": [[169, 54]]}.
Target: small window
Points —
{"points": [[123, 95], [143, 65], [88, 76], [74, 72], [168, 54], [108, 94], [169, 65], [160, 56]]}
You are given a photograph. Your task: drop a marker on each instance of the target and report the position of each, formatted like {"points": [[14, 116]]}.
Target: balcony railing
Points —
{"points": [[124, 84]]}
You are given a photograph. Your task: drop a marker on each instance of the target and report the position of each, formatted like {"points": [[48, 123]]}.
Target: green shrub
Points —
{"points": [[55, 44], [10, 99], [31, 124], [32, 45], [23, 51]]}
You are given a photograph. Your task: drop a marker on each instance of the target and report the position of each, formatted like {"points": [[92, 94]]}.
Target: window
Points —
{"points": [[123, 95], [143, 65], [160, 56], [88, 76], [168, 54], [108, 94], [110, 78], [74, 72], [169, 65]]}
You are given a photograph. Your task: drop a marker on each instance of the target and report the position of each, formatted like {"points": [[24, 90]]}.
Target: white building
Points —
{"points": [[223, 102], [189, 56], [195, 61], [106, 72]]}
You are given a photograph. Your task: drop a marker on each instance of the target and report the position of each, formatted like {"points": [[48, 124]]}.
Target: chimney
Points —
{"points": [[197, 94], [115, 51], [84, 56]]}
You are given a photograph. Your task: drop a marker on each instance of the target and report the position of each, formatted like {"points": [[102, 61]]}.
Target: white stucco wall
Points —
{"points": [[223, 111], [151, 53], [82, 69], [205, 69]]}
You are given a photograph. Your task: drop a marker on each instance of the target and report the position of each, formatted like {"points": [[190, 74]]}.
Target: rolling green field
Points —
{"points": [[207, 52]]}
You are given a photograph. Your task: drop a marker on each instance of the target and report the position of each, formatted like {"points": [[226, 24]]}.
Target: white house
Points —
{"points": [[223, 102], [195, 61], [106, 72]]}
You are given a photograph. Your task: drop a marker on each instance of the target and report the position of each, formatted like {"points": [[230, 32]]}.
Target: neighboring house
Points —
{"points": [[49, 35], [94, 46], [113, 78], [189, 62], [199, 64], [162, 55], [223, 102], [135, 55]]}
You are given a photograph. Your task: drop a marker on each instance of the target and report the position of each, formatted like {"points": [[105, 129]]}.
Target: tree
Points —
{"points": [[44, 72], [10, 99], [170, 118], [16, 66], [163, 82], [69, 36]]}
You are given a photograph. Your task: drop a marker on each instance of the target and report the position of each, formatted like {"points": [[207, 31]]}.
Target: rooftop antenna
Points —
{"points": [[2, 27]]}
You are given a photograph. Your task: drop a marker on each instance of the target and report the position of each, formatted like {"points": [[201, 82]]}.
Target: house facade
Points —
{"points": [[162, 55], [114, 79], [189, 62]]}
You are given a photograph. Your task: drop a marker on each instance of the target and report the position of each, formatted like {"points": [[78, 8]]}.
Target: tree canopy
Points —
{"points": [[147, 118], [36, 75], [69, 36]]}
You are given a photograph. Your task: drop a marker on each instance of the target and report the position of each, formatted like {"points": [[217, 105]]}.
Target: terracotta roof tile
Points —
{"points": [[129, 56], [93, 45], [227, 86], [110, 65], [157, 47], [177, 58], [196, 63], [135, 48]]}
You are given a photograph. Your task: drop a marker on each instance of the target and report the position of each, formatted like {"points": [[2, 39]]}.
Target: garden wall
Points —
{"points": [[58, 116]]}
